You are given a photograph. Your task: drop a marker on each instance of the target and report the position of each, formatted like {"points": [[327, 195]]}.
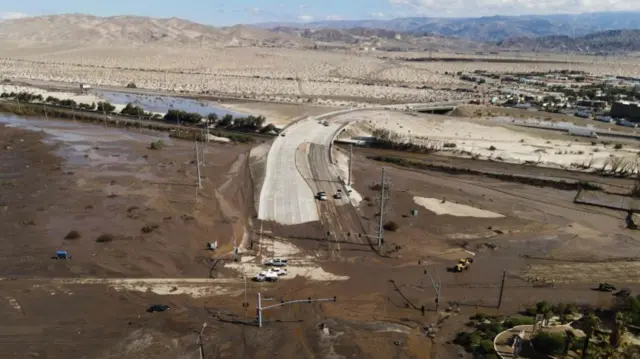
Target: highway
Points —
{"points": [[298, 166]]}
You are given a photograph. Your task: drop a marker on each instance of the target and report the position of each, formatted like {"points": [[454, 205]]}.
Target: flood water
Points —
{"points": [[79, 139], [162, 104]]}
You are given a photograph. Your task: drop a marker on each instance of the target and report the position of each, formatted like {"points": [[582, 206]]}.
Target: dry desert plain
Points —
{"points": [[59, 177]]}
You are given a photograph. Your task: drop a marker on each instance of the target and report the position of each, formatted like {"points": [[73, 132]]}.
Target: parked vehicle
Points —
{"points": [[582, 131], [278, 271], [605, 119], [583, 114], [268, 276], [157, 308], [338, 194], [606, 287], [276, 262]]}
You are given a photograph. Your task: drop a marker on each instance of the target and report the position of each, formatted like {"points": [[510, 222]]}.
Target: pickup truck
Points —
{"points": [[268, 276], [276, 262]]}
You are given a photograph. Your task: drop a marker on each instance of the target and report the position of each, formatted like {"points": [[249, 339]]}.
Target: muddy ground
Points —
{"points": [[53, 309]]}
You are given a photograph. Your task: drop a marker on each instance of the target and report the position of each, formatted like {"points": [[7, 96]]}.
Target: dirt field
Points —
{"points": [[95, 181]]}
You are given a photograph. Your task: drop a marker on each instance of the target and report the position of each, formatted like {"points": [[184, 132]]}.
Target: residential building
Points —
{"points": [[626, 109]]}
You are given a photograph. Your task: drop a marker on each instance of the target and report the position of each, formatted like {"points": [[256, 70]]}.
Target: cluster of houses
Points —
{"points": [[609, 99]]}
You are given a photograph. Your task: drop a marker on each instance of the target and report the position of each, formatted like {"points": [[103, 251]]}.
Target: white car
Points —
{"points": [[278, 271], [266, 276], [276, 262]]}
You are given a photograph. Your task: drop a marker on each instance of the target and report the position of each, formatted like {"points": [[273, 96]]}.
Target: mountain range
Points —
{"points": [[137, 30], [488, 29], [524, 33]]}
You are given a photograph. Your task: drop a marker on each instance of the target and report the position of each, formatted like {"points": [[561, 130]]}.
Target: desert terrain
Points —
{"points": [[136, 209]]}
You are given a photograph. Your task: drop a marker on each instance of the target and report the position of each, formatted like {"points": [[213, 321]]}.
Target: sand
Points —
{"points": [[299, 265], [444, 207], [485, 139]]}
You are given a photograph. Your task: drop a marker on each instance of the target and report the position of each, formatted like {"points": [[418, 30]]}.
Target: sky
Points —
{"points": [[229, 12]]}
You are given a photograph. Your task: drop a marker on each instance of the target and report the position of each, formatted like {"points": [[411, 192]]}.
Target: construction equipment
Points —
{"points": [[463, 264], [606, 287]]}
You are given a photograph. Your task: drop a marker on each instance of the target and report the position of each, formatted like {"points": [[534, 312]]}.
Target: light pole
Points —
{"points": [[200, 344], [308, 300]]}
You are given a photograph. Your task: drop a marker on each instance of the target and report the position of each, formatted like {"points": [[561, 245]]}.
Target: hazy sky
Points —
{"points": [[218, 12]]}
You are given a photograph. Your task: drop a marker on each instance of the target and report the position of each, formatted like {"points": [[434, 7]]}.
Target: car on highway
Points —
{"points": [[338, 194], [322, 196], [276, 262]]}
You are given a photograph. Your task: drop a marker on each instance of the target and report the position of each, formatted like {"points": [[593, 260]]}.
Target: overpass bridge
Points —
{"points": [[426, 107]]}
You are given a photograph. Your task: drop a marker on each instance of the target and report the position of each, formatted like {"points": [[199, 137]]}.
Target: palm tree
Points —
{"points": [[569, 340], [622, 320], [591, 322]]}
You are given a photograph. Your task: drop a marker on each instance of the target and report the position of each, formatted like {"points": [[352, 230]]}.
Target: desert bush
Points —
{"points": [[156, 145], [391, 226], [149, 228], [104, 238], [449, 145], [105, 107], [492, 148], [73, 234], [618, 146], [131, 85]]}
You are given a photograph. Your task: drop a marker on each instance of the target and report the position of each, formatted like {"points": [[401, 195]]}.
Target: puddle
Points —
{"points": [[161, 104], [80, 141]]}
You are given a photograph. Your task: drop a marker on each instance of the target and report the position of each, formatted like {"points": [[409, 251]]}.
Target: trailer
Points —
{"points": [[583, 132]]}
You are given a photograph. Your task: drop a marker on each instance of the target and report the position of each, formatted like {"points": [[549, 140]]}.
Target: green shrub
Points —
{"points": [[156, 145], [549, 343], [543, 307], [518, 320]]}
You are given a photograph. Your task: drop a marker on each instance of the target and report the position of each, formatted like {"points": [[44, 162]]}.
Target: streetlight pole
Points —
{"points": [[200, 343]]}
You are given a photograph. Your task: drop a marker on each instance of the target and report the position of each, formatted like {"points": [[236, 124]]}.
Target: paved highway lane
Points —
{"points": [[287, 197]]}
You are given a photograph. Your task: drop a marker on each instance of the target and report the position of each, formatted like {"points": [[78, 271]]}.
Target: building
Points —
{"points": [[597, 104], [626, 109]]}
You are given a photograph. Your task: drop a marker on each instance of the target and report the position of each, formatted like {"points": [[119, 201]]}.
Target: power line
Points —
{"points": [[383, 207], [437, 287], [198, 164], [282, 303]]}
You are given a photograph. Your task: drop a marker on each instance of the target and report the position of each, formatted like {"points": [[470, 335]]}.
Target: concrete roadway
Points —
{"points": [[298, 166]]}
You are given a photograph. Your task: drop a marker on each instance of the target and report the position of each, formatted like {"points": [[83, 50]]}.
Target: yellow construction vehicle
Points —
{"points": [[463, 264]]}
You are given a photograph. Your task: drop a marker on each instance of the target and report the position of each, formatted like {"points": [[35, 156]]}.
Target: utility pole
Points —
{"points": [[308, 300], [44, 105], [200, 343], [381, 223], [198, 164], [350, 161], [437, 286], [504, 277]]}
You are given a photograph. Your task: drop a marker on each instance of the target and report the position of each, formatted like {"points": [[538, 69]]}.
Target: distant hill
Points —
{"points": [[137, 30], [489, 29], [612, 41]]}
